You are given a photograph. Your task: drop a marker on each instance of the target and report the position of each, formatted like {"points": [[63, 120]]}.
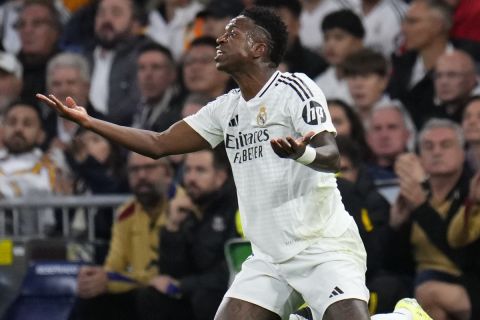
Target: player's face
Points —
{"points": [[22, 130], [471, 122], [235, 45]]}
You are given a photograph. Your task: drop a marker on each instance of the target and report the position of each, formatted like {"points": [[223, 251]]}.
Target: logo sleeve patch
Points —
{"points": [[313, 113]]}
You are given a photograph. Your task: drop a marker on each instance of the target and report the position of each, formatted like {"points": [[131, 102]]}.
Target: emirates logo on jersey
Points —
{"points": [[313, 113], [262, 116]]}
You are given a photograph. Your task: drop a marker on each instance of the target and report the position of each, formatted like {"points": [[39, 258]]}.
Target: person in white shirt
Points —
{"points": [[25, 171], [280, 142], [343, 31], [313, 13], [383, 23]]}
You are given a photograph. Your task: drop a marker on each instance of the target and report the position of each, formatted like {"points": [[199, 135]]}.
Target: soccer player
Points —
{"points": [[280, 141]]}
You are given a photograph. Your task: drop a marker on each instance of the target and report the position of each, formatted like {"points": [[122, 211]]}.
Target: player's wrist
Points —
{"points": [[308, 156]]}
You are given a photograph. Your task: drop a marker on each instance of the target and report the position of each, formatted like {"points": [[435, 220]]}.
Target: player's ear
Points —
{"points": [[259, 49]]}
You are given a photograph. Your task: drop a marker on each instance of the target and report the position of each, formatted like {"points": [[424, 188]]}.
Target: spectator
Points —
{"points": [[216, 15], [99, 168], [26, 170], [120, 288], [426, 29], [367, 73], [371, 212], [297, 57], [388, 134], [343, 32], [167, 24], [68, 75], [455, 80], [199, 72], [313, 13], [382, 20], [209, 185], [156, 77], [348, 124], [10, 79], [194, 102], [113, 89], [471, 131], [39, 27], [465, 32], [431, 214]]}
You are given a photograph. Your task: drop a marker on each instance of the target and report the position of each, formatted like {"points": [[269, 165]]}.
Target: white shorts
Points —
{"points": [[328, 271]]}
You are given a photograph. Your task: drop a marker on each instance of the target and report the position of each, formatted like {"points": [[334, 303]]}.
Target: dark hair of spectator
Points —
{"points": [[55, 15], [470, 100], [357, 132], [345, 20], [276, 31], [25, 103], [365, 61], [350, 149], [204, 41], [444, 9], [294, 6], [153, 46]]}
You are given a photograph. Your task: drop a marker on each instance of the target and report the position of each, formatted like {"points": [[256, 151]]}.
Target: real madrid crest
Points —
{"points": [[262, 116]]}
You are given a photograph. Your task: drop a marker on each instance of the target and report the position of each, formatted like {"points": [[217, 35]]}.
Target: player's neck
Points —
{"points": [[252, 81]]}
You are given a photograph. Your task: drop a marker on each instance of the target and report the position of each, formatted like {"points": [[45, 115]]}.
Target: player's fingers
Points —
{"points": [[277, 148], [46, 100], [294, 144], [70, 102], [286, 146], [57, 102]]}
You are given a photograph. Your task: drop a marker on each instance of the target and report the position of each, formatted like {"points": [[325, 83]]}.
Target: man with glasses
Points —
{"points": [[199, 72], [120, 288]]}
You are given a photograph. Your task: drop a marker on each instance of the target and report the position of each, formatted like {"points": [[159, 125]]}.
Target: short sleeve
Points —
{"points": [[206, 122], [311, 114]]}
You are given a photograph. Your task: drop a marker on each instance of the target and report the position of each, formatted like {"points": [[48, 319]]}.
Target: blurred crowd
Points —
{"points": [[401, 81]]}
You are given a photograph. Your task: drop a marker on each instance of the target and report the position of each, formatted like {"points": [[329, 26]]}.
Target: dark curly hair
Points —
{"points": [[274, 30]]}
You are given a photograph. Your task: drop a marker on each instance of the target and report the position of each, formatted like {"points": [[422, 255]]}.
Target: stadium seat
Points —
{"points": [[237, 250], [47, 292]]}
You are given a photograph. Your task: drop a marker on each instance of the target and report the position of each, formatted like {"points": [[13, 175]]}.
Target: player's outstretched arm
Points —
{"points": [[179, 138], [318, 151]]}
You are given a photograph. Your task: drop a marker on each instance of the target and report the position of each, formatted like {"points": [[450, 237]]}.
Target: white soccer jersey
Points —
{"points": [[284, 205]]}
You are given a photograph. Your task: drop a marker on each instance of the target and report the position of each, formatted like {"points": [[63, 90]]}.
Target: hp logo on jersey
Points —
{"points": [[313, 113]]}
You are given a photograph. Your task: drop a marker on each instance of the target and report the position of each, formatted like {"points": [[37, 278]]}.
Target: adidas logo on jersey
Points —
{"points": [[336, 291], [233, 122]]}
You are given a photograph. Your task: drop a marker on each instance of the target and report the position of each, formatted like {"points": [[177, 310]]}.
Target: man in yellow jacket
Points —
{"points": [[120, 289]]}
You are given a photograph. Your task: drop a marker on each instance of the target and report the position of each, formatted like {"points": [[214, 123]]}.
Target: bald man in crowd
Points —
{"points": [[455, 81]]}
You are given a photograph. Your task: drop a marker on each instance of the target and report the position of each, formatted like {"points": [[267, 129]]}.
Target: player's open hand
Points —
{"points": [[291, 148], [69, 110]]}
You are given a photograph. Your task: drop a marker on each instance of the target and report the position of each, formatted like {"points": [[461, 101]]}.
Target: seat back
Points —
{"points": [[47, 292], [237, 250]]}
